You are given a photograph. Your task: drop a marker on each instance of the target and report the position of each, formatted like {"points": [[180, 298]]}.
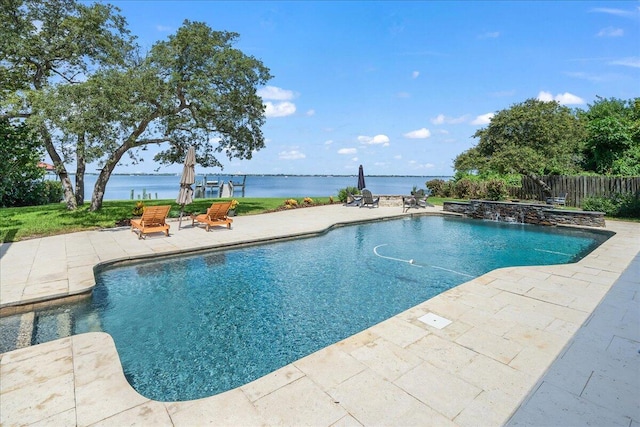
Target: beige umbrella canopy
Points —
{"points": [[185, 196]]}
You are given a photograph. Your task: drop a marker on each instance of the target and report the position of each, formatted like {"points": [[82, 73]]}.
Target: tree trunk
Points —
{"points": [[548, 192], [105, 174], [81, 166], [67, 187]]}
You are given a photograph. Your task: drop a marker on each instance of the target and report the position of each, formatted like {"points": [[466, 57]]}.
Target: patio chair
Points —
{"points": [[421, 197], [418, 199], [216, 216], [353, 199], [561, 200], [368, 200], [153, 220]]}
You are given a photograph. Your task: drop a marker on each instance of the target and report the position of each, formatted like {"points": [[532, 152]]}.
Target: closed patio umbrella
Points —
{"points": [[185, 196], [361, 184]]}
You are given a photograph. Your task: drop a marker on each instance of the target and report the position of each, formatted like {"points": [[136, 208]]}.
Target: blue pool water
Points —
{"points": [[195, 326]]}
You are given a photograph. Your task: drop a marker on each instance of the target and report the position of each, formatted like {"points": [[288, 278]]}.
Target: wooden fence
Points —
{"points": [[577, 187]]}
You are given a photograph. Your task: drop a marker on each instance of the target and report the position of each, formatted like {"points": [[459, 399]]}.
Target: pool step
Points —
{"points": [[25, 333], [52, 326]]}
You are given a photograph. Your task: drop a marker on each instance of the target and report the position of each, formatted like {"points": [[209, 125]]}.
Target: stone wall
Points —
{"points": [[390, 200], [525, 213]]}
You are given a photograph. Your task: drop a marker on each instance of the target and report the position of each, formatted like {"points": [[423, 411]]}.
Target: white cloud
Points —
{"points": [[616, 12], [347, 151], [398, 156], [328, 142], [569, 99], [378, 139], [610, 32], [418, 134], [311, 112], [164, 28], [291, 155], [415, 74], [415, 165], [275, 93], [441, 119], [403, 95], [628, 62], [438, 120], [562, 98], [280, 109], [545, 96], [483, 119]]}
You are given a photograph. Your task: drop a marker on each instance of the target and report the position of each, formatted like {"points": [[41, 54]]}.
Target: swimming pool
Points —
{"points": [[195, 326]]}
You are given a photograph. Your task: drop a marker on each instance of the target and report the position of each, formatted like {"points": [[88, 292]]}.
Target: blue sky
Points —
{"points": [[401, 87]]}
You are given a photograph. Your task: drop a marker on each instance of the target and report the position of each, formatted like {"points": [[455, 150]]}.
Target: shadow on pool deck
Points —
{"points": [[508, 326]]}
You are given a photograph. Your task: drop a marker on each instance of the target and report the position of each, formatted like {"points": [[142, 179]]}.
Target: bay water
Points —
{"points": [[127, 187]]}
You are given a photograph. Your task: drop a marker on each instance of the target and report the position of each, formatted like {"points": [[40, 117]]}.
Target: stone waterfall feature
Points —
{"points": [[525, 213]]}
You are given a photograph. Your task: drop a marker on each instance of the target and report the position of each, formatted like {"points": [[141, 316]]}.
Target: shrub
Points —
{"points": [[52, 191], [496, 189], [616, 205], [31, 193], [290, 203], [308, 201], [468, 189], [342, 194], [437, 187], [138, 209], [629, 206]]}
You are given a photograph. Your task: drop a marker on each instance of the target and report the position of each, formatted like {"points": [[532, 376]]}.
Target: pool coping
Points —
{"points": [[400, 371]]}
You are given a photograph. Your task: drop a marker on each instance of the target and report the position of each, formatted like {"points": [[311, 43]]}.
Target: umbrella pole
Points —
{"points": [[180, 219]]}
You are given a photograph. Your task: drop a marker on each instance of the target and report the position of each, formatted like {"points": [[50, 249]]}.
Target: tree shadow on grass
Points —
{"points": [[6, 236]]}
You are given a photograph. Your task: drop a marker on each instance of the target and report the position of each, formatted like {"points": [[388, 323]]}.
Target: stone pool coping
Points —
{"points": [[507, 327]]}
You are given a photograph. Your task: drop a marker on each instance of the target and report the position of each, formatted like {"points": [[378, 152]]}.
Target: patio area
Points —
{"points": [[508, 329]]}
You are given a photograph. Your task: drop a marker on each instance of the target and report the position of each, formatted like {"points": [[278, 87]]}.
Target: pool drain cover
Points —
{"points": [[435, 320]]}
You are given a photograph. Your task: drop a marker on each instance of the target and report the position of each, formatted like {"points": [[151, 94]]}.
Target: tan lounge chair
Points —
{"points": [[216, 215], [154, 220]]}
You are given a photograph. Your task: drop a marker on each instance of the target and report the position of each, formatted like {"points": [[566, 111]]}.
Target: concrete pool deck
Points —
{"points": [[508, 327]]}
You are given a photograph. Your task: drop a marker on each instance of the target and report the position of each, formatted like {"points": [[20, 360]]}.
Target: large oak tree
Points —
{"points": [[193, 89], [532, 138], [613, 136], [46, 43]]}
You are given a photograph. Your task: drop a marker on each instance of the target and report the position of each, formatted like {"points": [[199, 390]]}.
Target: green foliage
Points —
{"points": [[613, 137], [544, 138], [436, 186], [466, 188], [533, 137], [617, 205], [20, 177], [52, 44], [343, 193], [186, 89], [496, 189], [52, 192]]}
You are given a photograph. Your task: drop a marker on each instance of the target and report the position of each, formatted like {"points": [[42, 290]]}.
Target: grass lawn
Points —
{"points": [[48, 220]]}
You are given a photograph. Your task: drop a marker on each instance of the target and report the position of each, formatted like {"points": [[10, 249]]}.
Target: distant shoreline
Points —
{"points": [[272, 174]]}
